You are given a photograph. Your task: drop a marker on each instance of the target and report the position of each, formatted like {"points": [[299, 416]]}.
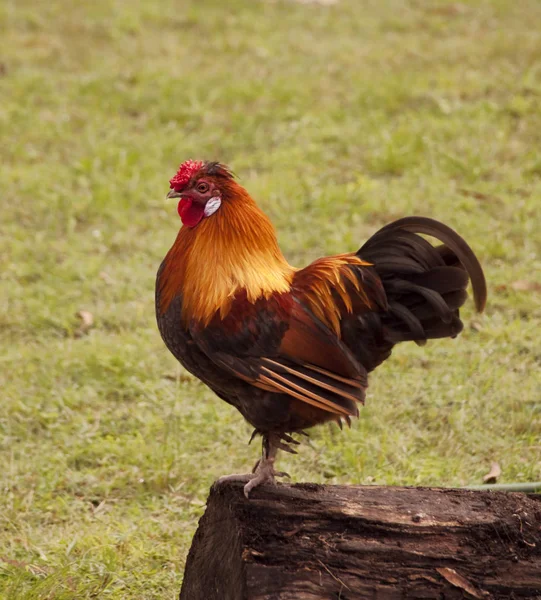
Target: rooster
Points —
{"points": [[292, 348]]}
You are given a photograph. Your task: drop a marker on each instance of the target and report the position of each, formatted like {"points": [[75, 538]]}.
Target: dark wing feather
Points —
{"points": [[278, 346]]}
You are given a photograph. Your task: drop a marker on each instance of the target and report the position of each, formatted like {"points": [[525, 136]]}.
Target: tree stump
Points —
{"points": [[312, 542]]}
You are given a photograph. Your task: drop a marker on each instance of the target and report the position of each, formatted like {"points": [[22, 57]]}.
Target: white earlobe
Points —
{"points": [[212, 206]]}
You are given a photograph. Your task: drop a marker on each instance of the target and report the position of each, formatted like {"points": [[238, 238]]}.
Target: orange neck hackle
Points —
{"points": [[234, 250]]}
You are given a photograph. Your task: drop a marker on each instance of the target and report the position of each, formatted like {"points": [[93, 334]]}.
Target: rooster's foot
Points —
{"points": [[263, 473]]}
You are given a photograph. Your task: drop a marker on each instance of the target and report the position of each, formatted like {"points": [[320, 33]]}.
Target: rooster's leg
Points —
{"points": [[264, 469]]}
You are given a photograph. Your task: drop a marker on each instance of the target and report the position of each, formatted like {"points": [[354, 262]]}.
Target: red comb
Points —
{"points": [[185, 173]]}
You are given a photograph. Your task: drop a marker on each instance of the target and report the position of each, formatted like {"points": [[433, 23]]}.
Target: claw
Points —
{"points": [[282, 474], [235, 477], [251, 485]]}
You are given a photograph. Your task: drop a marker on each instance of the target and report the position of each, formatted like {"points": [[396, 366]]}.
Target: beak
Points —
{"points": [[173, 194]]}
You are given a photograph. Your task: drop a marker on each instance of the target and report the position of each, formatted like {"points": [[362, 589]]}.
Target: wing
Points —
{"points": [[279, 345]]}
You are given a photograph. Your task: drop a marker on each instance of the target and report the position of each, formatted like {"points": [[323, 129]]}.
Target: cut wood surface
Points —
{"points": [[312, 542]]}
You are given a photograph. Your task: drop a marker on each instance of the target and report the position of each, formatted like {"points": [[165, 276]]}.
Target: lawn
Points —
{"points": [[337, 118]]}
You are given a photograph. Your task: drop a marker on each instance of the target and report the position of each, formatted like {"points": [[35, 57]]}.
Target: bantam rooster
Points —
{"points": [[292, 348]]}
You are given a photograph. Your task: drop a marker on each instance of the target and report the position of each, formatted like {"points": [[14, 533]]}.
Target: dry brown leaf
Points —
{"points": [[494, 473], [449, 10], [106, 277], [461, 582], [87, 321], [324, 2], [16, 563], [178, 377], [523, 285], [476, 325], [478, 195]]}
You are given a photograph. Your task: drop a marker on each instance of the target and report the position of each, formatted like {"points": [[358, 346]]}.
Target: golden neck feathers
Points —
{"points": [[234, 250]]}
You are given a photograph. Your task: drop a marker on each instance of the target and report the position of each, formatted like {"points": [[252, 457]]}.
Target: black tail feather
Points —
{"points": [[425, 285], [453, 244], [433, 299]]}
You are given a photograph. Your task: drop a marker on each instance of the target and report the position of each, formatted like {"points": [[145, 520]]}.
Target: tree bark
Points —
{"points": [[311, 542]]}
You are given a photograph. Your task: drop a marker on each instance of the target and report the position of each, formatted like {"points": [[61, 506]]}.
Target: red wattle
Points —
{"points": [[190, 214]]}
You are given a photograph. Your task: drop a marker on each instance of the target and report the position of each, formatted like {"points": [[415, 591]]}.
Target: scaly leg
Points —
{"points": [[263, 471]]}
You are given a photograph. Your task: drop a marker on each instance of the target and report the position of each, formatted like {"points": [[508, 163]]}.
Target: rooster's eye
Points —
{"points": [[202, 187]]}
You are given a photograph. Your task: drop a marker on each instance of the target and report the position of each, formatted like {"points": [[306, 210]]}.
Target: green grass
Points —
{"points": [[338, 119]]}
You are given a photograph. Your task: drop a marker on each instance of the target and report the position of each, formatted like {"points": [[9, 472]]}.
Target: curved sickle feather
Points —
{"points": [[455, 242]]}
